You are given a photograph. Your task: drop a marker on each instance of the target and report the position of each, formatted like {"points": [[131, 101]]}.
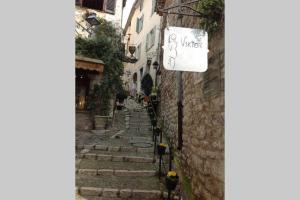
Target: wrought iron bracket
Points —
{"points": [[181, 9], [89, 30]]}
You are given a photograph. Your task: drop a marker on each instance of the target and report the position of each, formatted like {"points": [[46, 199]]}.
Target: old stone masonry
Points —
{"points": [[119, 163]]}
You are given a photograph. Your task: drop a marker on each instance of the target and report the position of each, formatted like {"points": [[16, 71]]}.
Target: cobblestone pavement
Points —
{"points": [[119, 163]]}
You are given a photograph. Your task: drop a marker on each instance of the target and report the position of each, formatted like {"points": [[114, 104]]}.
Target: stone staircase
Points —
{"points": [[121, 165]]}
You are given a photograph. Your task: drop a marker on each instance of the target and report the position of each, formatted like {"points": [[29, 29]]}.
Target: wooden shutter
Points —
{"points": [[141, 23], [110, 6], [137, 25], [147, 41], [153, 6]]}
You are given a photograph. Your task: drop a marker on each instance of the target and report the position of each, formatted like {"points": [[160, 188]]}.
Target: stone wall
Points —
{"points": [[83, 121], [202, 155]]}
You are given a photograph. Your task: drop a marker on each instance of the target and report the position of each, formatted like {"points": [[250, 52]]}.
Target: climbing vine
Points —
{"points": [[213, 12], [105, 45]]}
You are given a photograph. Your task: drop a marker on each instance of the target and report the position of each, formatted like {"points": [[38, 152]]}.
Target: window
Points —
{"points": [[139, 24], [141, 72], [150, 39], [138, 52], [153, 6], [141, 5], [110, 6], [101, 5]]}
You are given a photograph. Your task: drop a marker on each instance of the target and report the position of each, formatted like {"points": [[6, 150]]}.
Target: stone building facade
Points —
{"points": [[141, 31], [202, 155], [110, 10]]}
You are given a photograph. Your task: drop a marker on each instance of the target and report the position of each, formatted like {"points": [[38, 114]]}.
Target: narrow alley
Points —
{"points": [[119, 163]]}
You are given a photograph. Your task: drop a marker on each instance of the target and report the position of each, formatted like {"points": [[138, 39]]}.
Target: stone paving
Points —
{"points": [[119, 163]]}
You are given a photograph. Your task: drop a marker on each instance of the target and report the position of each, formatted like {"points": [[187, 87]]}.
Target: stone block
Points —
{"points": [[139, 159], [88, 146], [114, 149], [144, 150], [143, 173], [128, 149], [146, 194], [84, 150], [104, 157], [125, 193], [91, 191], [122, 173], [90, 156], [88, 172], [110, 192], [105, 172], [118, 158], [101, 147]]}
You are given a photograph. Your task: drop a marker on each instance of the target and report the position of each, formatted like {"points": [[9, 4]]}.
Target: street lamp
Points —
{"points": [[92, 19], [132, 59], [155, 65]]}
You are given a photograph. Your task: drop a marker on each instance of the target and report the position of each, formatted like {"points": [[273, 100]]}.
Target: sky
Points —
{"points": [[126, 11]]}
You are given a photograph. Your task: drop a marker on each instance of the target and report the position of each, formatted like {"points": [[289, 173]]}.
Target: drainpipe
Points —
{"points": [[179, 98]]}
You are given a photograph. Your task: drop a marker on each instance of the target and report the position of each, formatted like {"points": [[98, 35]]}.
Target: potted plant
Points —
{"points": [[171, 180], [161, 149], [99, 106]]}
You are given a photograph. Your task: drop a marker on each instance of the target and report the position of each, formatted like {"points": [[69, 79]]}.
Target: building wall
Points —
{"points": [[150, 21], [202, 155], [115, 18]]}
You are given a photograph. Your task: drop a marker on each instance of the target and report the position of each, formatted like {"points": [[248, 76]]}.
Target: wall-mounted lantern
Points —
{"points": [[131, 50], [92, 19], [155, 65], [149, 61]]}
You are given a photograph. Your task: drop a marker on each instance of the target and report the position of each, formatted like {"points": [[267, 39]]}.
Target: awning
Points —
{"points": [[89, 64]]}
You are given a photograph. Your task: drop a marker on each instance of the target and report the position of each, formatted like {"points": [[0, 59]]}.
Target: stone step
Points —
{"points": [[140, 153], [99, 164], [121, 195], [112, 172], [115, 158], [109, 148], [119, 182], [117, 148], [118, 194]]}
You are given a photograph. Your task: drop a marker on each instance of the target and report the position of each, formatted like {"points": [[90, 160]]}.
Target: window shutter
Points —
{"points": [[141, 22], [153, 35], [147, 42], [137, 25], [110, 6], [153, 6]]}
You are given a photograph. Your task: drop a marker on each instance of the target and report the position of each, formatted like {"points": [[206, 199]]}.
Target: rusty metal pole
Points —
{"points": [[179, 97]]}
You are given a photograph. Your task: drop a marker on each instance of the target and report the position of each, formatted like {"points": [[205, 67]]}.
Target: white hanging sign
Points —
{"points": [[185, 49]]}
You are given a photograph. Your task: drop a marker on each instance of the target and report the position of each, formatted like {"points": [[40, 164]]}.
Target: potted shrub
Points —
{"points": [[99, 106], [161, 149], [171, 180]]}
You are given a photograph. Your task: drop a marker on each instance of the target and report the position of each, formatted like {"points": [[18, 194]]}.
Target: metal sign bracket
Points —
{"points": [[181, 9]]}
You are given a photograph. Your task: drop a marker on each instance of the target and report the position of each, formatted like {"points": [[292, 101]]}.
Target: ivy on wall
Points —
{"points": [[213, 12]]}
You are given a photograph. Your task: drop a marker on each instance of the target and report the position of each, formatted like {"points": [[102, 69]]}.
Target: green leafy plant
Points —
{"points": [[105, 45], [185, 181], [213, 15]]}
